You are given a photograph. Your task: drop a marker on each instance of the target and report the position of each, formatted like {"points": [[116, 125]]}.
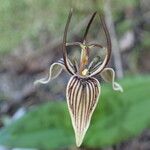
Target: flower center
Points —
{"points": [[84, 59]]}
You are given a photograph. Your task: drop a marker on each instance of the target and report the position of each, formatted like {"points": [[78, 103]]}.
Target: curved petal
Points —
{"points": [[65, 56], [54, 71], [108, 49], [99, 66], [108, 74], [88, 26], [82, 97]]}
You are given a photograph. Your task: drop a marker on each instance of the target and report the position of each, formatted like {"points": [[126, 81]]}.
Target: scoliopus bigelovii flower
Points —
{"points": [[83, 89]]}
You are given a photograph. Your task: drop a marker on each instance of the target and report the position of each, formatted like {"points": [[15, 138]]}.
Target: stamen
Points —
{"points": [[85, 72]]}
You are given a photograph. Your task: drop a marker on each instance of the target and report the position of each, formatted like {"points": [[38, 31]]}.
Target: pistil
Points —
{"points": [[84, 59]]}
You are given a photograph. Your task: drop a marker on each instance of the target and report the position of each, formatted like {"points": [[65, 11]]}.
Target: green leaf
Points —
{"points": [[119, 116]]}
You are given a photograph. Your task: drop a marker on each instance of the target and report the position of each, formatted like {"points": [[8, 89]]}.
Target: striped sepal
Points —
{"points": [[82, 98]]}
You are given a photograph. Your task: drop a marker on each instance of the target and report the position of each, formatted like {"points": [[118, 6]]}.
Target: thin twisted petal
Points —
{"points": [[82, 97], [108, 74], [54, 71]]}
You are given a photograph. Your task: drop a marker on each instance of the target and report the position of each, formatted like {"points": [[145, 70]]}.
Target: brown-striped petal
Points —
{"points": [[108, 74], [82, 97]]}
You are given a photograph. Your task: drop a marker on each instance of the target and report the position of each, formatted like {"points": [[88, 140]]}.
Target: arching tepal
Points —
{"points": [[83, 89]]}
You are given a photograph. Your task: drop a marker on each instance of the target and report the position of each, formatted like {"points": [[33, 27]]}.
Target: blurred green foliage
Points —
{"points": [[118, 117], [26, 19], [146, 41]]}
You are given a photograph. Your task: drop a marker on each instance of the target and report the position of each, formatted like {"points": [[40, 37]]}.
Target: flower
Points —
{"points": [[83, 89]]}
